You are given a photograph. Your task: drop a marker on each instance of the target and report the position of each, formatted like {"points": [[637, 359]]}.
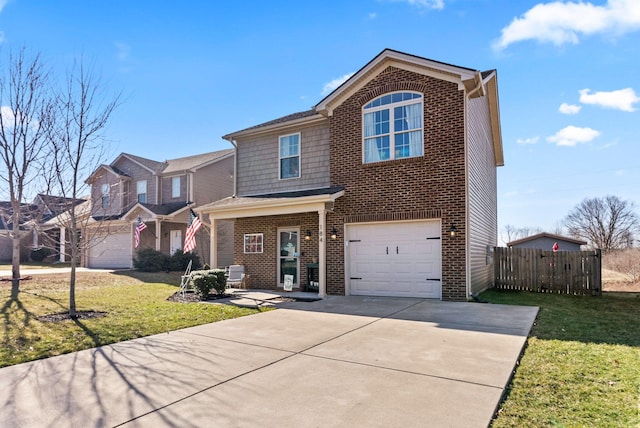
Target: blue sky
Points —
{"points": [[192, 71]]}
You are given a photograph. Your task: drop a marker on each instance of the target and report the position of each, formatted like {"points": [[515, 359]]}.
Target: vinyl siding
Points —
{"points": [[258, 162], [137, 173], [118, 194], [482, 194], [212, 182], [166, 187]]}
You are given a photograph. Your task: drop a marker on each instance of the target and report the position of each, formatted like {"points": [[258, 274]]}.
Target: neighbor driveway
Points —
{"points": [[342, 361]]}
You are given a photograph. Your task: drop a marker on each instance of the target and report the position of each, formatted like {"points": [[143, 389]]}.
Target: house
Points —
{"points": [[389, 183], [160, 194], [29, 215], [547, 241]]}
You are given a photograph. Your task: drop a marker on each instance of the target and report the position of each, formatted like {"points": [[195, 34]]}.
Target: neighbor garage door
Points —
{"points": [[401, 259], [111, 252]]}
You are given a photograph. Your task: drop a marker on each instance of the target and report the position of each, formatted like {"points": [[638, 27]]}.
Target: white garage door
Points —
{"points": [[111, 252], [400, 259]]}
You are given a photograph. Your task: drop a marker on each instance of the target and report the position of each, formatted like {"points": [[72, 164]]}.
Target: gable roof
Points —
{"points": [[29, 212], [547, 235], [108, 168], [56, 205], [154, 167], [196, 161], [288, 120]]}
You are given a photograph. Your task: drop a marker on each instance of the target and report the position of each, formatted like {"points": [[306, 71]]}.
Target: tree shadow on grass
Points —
{"points": [[170, 278]]}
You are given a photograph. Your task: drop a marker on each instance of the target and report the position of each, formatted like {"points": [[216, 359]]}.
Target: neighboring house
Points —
{"points": [[49, 232], [160, 194], [30, 215], [546, 241], [373, 182]]}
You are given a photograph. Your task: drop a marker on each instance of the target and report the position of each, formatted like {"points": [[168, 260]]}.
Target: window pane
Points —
{"points": [[175, 187], [289, 145], [377, 149], [397, 97], [408, 144], [289, 167]]}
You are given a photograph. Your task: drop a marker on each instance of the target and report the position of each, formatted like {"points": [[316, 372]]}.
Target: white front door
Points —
{"points": [[175, 242], [288, 256], [402, 259]]}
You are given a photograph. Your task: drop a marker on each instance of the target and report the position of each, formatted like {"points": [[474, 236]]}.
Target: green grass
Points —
{"points": [[135, 304], [581, 367]]}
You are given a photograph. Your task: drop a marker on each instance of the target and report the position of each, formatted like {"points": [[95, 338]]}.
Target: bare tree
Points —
{"points": [[607, 223], [512, 233], [26, 106], [78, 143]]}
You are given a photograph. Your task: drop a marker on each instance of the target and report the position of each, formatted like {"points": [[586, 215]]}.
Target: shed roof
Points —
{"points": [[547, 235]]}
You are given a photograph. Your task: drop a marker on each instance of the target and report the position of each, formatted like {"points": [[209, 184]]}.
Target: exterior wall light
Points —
{"points": [[453, 230], [334, 234], [307, 236]]}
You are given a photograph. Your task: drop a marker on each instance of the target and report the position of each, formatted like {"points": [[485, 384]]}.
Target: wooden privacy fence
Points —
{"points": [[564, 272]]}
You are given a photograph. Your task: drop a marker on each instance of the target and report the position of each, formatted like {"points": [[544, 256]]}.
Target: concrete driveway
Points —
{"points": [[342, 361]]}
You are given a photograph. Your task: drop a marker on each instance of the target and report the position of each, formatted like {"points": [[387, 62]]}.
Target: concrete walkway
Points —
{"points": [[342, 361]]}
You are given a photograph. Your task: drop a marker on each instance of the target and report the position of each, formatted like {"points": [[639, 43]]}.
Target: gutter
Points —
{"points": [[235, 165]]}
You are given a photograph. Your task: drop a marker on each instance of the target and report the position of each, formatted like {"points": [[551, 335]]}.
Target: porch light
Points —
{"points": [[452, 230], [307, 236], [334, 233]]}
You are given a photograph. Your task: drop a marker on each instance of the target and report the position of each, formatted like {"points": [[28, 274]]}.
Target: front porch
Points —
{"points": [[279, 237]]}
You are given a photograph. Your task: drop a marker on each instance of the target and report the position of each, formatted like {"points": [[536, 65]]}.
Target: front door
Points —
{"points": [[175, 241], [288, 256]]}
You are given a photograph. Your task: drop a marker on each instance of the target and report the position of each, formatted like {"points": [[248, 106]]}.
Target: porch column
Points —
{"points": [[322, 254], [158, 234], [213, 250], [63, 241]]}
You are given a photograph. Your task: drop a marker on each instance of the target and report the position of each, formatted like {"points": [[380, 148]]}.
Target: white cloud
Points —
{"points": [[3, 3], [569, 108], [329, 87], [561, 22], [425, 4], [123, 51], [532, 140], [573, 135], [7, 116], [372, 15], [622, 99]]}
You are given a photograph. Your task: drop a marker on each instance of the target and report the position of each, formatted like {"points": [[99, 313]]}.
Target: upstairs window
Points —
{"points": [[290, 156], [392, 127], [106, 200], [175, 187], [141, 190]]}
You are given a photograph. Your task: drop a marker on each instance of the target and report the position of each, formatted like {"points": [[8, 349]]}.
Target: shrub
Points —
{"points": [[150, 260], [203, 281], [39, 254], [180, 260]]}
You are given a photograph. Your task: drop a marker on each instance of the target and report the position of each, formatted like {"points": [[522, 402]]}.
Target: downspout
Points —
{"points": [[479, 88]]}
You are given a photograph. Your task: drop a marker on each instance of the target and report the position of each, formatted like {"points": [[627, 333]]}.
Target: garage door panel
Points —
{"points": [[112, 251], [395, 259]]}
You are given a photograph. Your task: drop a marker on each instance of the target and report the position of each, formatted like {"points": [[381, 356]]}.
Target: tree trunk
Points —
{"points": [[15, 257]]}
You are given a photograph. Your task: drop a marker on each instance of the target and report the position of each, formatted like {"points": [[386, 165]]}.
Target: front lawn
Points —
{"points": [[135, 305], [581, 367]]}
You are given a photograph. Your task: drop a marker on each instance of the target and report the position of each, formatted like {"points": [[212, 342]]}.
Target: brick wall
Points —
{"points": [[263, 267], [411, 188]]}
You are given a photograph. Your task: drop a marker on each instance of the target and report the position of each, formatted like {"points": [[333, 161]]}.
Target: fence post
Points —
{"points": [[596, 290]]}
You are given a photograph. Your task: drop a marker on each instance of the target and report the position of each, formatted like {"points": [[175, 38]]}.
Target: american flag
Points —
{"points": [[139, 228], [190, 237]]}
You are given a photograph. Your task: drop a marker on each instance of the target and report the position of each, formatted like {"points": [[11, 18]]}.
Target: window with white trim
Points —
{"points": [[175, 187], [106, 200], [392, 127], [290, 156], [141, 190], [253, 243]]}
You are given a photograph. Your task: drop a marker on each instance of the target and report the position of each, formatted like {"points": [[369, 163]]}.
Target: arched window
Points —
{"points": [[392, 127]]}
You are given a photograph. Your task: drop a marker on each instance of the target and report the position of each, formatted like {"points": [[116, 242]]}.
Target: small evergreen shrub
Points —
{"points": [[150, 260], [180, 260], [203, 281], [39, 254]]}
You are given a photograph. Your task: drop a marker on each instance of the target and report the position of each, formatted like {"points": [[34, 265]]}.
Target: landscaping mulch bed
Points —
{"points": [[65, 316], [191, 297]]}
